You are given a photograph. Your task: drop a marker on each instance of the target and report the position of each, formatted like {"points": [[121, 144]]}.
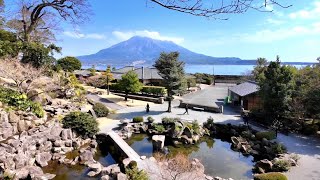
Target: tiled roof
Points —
{"points": [[148, 72], [245, 88]]}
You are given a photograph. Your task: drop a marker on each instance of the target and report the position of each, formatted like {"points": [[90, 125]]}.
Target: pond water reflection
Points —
{"points": [[216, 156]]}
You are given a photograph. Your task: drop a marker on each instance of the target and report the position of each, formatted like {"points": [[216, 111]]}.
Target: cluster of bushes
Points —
{"points": [[159, 128], [82, 123], [204, 78], [168, 121], [269, 135], [100, 110], [20, 101], [270, 176], [137, 119], [149, 90], [150, 119]]}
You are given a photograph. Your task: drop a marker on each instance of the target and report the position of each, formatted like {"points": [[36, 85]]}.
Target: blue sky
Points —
{"points": [[292, 33]]}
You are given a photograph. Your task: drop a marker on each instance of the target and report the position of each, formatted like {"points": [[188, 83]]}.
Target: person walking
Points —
{"points": [[147, 108], [186, 108]]}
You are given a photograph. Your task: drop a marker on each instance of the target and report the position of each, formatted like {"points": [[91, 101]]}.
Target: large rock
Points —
{"points": [[22, 173], [13, 118], [38, 96], [113, 169], [22, 126], [264, 166], [187, 132], [66, 134], [95, 169], [21, 160], [43, 158], [56, 130], [86, 157], [158, 142], [121, 176]]}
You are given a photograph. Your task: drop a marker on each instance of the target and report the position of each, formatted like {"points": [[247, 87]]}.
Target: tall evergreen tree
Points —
{"points": [[259, 69], [276, 90], [172, 72]]}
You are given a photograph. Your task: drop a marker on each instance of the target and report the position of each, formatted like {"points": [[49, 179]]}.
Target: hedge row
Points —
{"points": [[150, 90]]}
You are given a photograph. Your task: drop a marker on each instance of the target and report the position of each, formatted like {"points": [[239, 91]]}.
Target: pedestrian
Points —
{"points": [[147, 108], [186, 108]]}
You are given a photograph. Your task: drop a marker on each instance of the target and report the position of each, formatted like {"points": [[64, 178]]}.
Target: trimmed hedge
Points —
{"points": [[137, 119], [100, 110], [269, 135], [149, 90], [270, 176], [150, 119], [82, 123], [154, 90]]}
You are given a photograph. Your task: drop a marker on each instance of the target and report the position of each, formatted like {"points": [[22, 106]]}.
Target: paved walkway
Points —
{"points": [[104, 101], [210, 96]]}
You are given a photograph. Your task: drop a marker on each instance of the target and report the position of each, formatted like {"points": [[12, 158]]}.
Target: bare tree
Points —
{"points": [[178, 167], [39, 17], [22, 76], [214, 8]]}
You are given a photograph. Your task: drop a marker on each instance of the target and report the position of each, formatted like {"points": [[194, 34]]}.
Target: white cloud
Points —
{"points": [[77, 35], [268, 35], [307, 13], [145, 33], [274, 21]]}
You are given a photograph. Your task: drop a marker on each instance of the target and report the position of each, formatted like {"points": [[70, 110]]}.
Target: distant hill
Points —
{"points": [[143, 50]]}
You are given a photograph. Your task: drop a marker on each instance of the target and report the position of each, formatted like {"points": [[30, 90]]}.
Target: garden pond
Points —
{"points": [[216, 155]]}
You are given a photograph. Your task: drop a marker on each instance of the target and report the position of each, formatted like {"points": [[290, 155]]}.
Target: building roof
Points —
{"points": [[143, 72], [84, 73], [147, 73], [245, 88]]}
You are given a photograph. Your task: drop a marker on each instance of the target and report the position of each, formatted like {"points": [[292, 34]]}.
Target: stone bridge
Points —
{"points": [[121, 146]]}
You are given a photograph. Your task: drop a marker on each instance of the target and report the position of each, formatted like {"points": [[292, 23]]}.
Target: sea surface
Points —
{"points": [[209, 69]]}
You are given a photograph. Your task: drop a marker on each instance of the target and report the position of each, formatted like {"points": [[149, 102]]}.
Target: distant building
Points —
{"points": [[246, 95], [146, 75], [82, 73]]}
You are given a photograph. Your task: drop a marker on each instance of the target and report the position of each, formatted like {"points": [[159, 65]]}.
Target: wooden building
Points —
{"points": [[246, 95]]}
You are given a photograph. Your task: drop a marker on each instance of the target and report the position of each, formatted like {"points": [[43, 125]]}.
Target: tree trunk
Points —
{"points": [[108, 90], [169, 106]]}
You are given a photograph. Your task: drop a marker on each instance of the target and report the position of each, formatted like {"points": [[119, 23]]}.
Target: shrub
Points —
{"points": [[278, 148], [150, 119], [20, 101], [100, 110], [210, 123], [310, 129], [82, 123], [37, 109], [136, 174], [195, 126], [159, 128], [167, 120], [132, 164], [69, 63], [266, 134], [137, 119], [270, 176], [281, 165], [154, 90]]}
